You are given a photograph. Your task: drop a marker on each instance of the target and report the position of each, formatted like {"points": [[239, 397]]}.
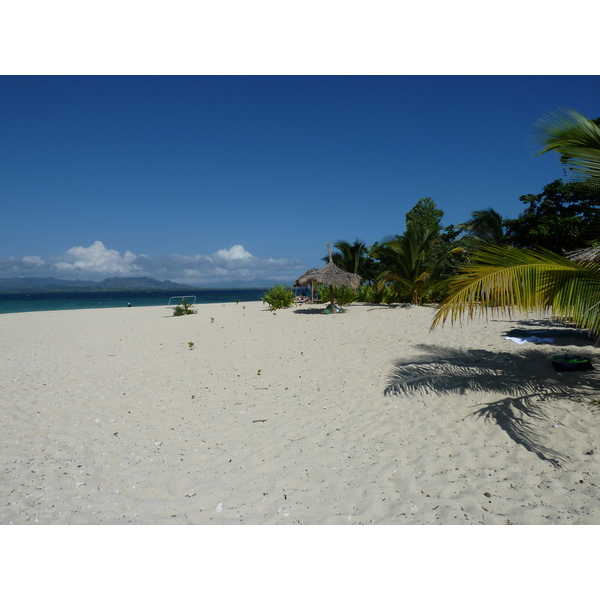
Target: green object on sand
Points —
{"points": [[571, 363]]}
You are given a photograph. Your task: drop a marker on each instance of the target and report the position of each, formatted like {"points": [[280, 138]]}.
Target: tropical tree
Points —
{"points": [[575, 137], [353, 258], [484, 228], [349, 256], [504, 279], [423, 216], [564, 217], [410, 271]]}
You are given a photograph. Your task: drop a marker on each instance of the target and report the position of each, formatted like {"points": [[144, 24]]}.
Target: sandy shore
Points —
{"points": [[107, 417]]}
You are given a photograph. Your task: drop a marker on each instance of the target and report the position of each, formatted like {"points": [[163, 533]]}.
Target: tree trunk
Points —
{"points": [[331, 302]]}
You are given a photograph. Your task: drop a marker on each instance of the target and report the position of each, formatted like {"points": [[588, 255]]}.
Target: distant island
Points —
{"points": [[112, 284]]}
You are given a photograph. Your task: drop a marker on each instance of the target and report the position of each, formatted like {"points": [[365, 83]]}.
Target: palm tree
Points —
{"points": [[575, 138], [505, 278], [350, 256], [353, 258], [409, 260], [485, 227]]}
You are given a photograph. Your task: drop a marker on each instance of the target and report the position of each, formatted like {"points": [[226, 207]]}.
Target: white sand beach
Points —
{"points": [[108, 417]]}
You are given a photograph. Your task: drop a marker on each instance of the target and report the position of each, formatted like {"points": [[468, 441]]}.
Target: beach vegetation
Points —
{"points": [[386, 295], [424, 216], [279, 296], [342, 295], [354, 258], [484, 228], [576, 138], [373, 294], [564, 217], [503, 279], [368, 292], [183, 308], [428, 264], [191, 345], [412, 263]]}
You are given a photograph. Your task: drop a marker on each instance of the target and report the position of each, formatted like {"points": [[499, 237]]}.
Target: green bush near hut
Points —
{"points": [[371, 294], [342, 295], [279, 296]]}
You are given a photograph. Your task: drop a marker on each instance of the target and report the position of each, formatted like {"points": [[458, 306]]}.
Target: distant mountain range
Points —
{"points": [[112, 284]]}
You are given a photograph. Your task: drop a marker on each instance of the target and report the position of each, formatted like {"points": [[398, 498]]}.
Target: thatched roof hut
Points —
{"points": [[330, 275], [305, 280]]}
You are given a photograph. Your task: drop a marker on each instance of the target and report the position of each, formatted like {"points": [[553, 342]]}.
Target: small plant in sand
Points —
{"points": [[342, 295], [372, 294], [184, 308], [258, 372], [367, 293], [191, 345], [279, 296], [212, 319]]}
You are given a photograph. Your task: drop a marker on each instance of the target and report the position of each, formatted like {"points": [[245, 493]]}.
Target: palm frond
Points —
{"points": [[583, 161], [574, 137], [505, 279], [485, 226]]}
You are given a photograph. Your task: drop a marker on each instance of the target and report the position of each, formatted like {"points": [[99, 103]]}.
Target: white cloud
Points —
{"points": [[26, 266], [223, 267], [234, 253], [33, 261], [98, 259]]}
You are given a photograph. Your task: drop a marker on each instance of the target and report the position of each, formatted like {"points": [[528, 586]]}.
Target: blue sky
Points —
{"points": [[242, 180]]}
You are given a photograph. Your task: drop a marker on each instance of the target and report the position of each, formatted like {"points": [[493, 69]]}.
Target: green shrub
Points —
{"points": [[367, 293], [279, 296], [389, 295], [183, 308], [370, 293], [342, 295]]}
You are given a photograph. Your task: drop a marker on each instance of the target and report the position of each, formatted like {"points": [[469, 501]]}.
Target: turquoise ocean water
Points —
{"points": [[23, 302]]}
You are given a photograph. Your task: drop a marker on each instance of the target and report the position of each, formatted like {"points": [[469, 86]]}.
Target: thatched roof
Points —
{"points": [[330, 274], [584, 255], [305, 279]]}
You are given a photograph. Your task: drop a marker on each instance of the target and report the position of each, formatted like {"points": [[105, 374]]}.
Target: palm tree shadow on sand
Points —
{"points": [[525, 379]]}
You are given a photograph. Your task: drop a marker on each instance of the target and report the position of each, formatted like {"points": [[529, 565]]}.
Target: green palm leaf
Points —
{"points": [[504, 279], [573, 136], [484, 226], [412, 262], [351, 257]]}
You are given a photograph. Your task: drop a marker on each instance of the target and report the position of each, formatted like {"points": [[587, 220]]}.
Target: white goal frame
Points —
{"points": [[181, 299]]}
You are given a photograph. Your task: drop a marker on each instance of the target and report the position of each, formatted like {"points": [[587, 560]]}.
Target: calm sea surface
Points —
{"points": [[12, 303]]}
